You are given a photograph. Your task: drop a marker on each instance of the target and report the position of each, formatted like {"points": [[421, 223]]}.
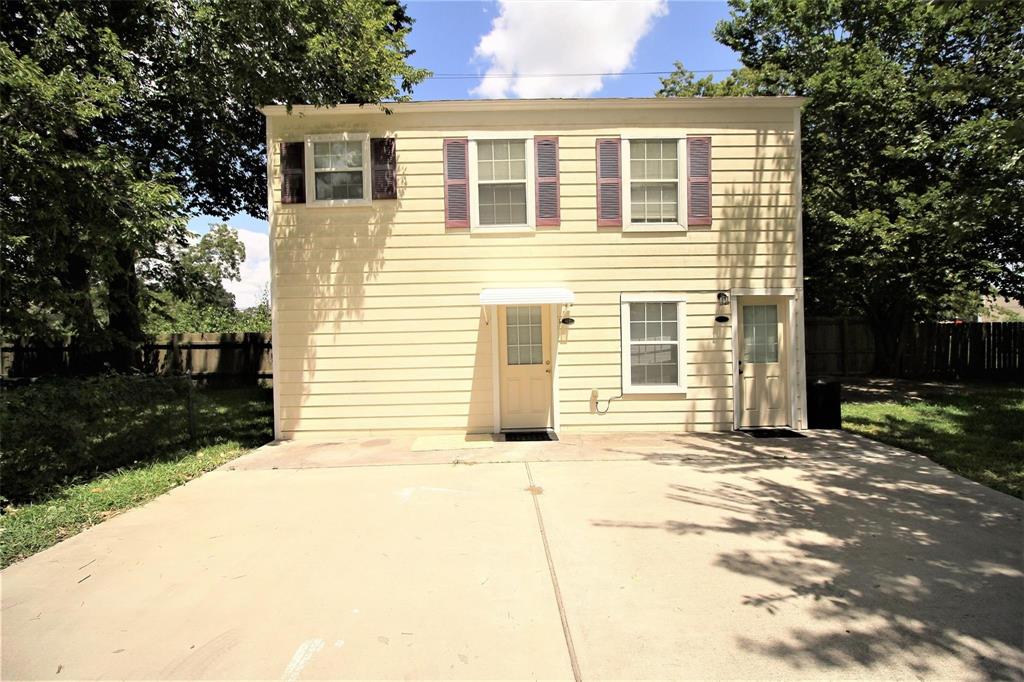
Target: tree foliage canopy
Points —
{"points": [[120, 120], [913, 143]]}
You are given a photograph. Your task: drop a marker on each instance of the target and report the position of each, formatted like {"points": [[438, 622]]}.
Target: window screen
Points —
{"points": [[654, 343]]}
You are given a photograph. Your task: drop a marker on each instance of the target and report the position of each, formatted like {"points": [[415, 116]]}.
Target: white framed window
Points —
{"points": [[502, 183], [654, 183], [338, 169], [653, 343]]}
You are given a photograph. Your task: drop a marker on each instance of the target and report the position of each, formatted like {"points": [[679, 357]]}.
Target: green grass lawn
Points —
{"points": [[975, 431], [229, 421]]}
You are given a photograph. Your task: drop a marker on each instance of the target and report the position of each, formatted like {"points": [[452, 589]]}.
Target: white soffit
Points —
{"points": [[527, 295]]}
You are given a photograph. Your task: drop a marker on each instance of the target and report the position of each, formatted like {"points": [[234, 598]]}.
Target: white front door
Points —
{"points": [[525, 366], [762, 366]]}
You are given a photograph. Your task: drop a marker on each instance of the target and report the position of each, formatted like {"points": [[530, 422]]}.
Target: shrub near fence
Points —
{"points": [[61, 428]]}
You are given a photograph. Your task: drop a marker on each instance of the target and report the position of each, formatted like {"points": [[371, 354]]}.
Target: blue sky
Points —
{"points": [[505, 45]]}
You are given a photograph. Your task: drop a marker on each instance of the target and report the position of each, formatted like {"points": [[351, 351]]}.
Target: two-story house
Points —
{"points": [[566, 265]]}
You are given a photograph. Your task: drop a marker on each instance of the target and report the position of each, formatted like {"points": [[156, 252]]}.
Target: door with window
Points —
{"points": [[525, 366], [762, 364]]}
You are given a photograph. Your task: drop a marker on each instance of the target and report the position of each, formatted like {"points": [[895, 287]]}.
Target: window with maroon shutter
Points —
{"points": [[293, 172], [547, 181], [609, 182], [698, 180], [456, 182], [385, 168]]}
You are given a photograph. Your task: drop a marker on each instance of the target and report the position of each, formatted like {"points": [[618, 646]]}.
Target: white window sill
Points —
{"points": [[337, 203], [673, 389], [502, 229], [654, 227]]}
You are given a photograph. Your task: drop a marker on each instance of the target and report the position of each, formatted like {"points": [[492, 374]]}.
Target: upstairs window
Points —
{"points": [[654, 181], [501, 181], [338, 168], [653, 190]]}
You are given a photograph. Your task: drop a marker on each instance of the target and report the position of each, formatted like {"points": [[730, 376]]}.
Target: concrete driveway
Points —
{"points": [[598, 557]]}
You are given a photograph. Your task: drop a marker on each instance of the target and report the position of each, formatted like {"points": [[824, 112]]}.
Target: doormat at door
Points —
{"points": [[516, 436], [772, 433]]}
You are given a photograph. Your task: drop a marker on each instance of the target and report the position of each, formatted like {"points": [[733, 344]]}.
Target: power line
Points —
{"points": [[459, 76]]}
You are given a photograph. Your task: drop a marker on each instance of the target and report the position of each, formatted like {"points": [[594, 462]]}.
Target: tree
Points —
{"points": [[120, 120], [194, 272], [913, 147]]}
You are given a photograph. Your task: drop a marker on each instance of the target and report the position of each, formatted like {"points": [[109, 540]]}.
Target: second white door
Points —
{"points": [[525, 366]]}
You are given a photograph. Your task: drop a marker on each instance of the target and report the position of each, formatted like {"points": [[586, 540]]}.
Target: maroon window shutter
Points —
{"points": [[547, 181], [456, 182], [698, 180], [385, 168], [609, 182], [293, 172]]}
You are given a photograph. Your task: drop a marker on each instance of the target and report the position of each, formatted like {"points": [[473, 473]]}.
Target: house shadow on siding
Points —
{"points": [[890, 558], [759, 250], [324, 261], [481, 398]]}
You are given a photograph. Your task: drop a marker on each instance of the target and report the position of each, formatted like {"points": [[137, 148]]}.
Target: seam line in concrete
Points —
{"points": [[554, 578]]}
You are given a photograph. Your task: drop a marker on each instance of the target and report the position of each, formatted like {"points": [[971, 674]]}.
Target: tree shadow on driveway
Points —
{"points": [[912, 561]]}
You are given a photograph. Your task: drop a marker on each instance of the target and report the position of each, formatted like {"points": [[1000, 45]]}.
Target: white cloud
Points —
{"points": [[561, 36], [255, 271]]}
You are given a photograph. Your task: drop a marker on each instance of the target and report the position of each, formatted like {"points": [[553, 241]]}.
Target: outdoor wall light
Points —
{"points": [[723, 298], [568, 321]]}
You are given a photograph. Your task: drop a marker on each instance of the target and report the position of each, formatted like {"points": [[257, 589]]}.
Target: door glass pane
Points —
{"points": [[524, 335], [760, 333]]}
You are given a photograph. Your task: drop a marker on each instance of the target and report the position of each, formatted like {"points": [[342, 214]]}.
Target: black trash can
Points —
{"points": [[823, 404]]}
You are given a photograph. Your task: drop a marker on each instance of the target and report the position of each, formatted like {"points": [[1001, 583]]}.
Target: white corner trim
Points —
{"points": [[555, 328], [310, 171], [494, 325], [800, 419], [798, 191], [791, 367], [734, 343], [274, 336]]}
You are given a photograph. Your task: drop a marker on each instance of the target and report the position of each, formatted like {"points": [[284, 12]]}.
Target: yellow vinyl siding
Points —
{"points": [[378, 325]]}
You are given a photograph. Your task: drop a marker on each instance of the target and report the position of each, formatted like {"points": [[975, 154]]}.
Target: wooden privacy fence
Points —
{"points": [[242, 358], [835, 347], [941, 350], [838, 346], [971, 350]]}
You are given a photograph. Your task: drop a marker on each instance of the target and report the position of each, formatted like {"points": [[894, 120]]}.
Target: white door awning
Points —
{"points": [[526, 296]]}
